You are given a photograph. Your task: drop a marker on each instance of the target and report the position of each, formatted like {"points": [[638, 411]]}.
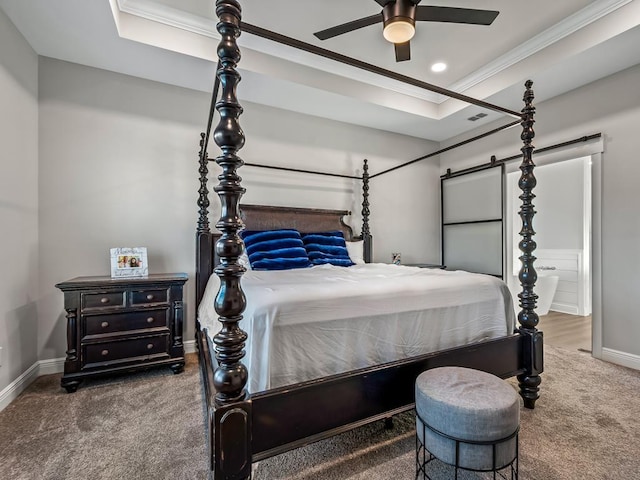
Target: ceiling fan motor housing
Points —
{"points": [[399, 10]]}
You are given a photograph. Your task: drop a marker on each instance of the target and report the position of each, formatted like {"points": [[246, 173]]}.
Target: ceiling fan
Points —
{"points": [[399, 17]]}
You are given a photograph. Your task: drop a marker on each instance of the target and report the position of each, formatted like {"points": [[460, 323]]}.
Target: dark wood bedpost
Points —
{"points": [[203, 232], [203, 191], [366, 233], [232, 431], [530, 380]]}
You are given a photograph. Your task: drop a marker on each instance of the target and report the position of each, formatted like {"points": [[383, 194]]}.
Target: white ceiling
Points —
{"points": [[559, 44]]}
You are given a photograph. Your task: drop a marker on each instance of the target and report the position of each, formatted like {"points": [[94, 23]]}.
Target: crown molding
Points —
{"points": [[173, 17], [586, 16]]}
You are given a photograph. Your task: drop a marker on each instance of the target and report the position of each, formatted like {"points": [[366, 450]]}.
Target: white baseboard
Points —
{"points": [[190, 346], [621, 358], [48, 367], [15, 388], [564, 308]]}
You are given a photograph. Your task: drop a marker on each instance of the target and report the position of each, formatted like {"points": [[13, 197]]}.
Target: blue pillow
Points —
{"points": [[268, 246], [327, 247], [275, 249]]}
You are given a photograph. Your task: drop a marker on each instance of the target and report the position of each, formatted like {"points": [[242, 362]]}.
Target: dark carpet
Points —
{"points": [[150, 426]]}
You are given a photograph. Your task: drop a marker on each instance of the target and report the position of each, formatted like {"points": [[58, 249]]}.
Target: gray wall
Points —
{"points": [[118, 167], [18, 203], [610, 106]]}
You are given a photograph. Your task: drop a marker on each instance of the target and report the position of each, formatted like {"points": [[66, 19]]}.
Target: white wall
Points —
{"points": [[560, 205], [118, 167], [405, 206], [610, 106], [18, 203]]}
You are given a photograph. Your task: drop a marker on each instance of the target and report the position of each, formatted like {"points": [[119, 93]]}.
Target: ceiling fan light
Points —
{"points": [[399, 31]]}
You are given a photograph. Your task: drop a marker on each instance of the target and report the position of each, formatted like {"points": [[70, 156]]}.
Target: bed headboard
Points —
{"points": [[268, 217]]}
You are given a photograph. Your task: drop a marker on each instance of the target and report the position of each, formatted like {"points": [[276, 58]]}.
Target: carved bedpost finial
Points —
{"points": [[366, 232], [230, 378], [365, 199], [530, 380], [203, 191]]}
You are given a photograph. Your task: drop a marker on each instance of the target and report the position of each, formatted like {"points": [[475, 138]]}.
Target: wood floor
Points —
{"points": [[567, 331]]}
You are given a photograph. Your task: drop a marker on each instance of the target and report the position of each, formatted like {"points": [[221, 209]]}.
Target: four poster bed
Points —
{"points": [[281, 371]]}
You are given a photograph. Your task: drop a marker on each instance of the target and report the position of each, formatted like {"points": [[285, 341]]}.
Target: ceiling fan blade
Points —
{"points": [[427, 13], [348, 27], [403, 51]]}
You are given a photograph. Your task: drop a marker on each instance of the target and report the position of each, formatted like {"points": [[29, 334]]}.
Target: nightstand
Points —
{"points": [[118, 325]]}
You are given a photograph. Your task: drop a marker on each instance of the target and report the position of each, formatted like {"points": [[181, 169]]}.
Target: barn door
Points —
{"points": [[472, 221]]}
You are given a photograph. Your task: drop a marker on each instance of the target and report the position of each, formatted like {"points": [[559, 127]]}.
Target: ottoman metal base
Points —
{"points": [[424, 457]]}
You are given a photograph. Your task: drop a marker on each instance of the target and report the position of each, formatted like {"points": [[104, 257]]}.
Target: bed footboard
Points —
{"points": [[293, 416], [275, 421]]}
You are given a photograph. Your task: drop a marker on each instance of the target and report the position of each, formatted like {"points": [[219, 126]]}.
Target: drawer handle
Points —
{"points": [[150, 320], [149, 346], [104, 324], [104, 300], [150, 297], [105, 353]]}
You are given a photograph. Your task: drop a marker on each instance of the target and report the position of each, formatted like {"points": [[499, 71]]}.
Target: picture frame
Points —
{"points": [[129, 262]]}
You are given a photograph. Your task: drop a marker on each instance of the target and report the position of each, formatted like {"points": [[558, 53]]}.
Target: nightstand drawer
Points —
{"points": [[97, 354], [146, 297], [103, 324], [103, 300]]}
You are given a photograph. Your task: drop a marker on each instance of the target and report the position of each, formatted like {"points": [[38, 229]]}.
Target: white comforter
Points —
{"points": [[309, 323]]}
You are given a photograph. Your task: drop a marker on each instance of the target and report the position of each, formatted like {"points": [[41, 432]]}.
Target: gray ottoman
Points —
{"points": [[466, 418]]}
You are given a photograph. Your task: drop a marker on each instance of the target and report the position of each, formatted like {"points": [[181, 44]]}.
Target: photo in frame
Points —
{"points": [[129, 262]]}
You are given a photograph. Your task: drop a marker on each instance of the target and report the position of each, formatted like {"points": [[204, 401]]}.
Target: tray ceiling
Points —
{"points": [[560, 45]]}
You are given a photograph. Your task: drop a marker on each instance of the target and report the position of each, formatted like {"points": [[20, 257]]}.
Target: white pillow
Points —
{"points": [[244, 260], [356, 251]]}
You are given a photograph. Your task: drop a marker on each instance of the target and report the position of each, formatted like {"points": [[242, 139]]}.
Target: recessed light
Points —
{"points": [[438, 67]]}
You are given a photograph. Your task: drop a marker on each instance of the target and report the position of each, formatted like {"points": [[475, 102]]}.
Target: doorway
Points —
{"points": [[563, 226]]}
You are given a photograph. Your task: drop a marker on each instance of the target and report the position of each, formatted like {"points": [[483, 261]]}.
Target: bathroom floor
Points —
{"points": [[566, 331]]}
